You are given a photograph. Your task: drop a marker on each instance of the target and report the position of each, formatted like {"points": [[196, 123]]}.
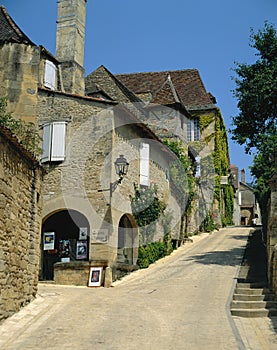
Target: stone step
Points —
{"points": [[251, 291], [251, 285], [254, 312], [245, 304], [254, 297]]}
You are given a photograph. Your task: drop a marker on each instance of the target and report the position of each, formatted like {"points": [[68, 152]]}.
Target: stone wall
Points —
{"points": [[272, 231], [19, 72], [20, 218], [77, 273]]}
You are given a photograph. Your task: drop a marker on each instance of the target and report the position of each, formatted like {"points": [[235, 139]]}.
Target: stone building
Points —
{"points": [[20, 224], [86, 221], [178, 107], [86, 126], [246, 206]]}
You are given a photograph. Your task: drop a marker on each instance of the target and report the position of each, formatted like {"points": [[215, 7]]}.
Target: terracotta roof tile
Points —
{"points": [[9, 31], [187, 83]]}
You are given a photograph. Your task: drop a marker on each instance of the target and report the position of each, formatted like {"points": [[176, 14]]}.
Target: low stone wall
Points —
{"points": [[272, 231], [121, 270], [20, 220], [76, 273], [274, 270]]}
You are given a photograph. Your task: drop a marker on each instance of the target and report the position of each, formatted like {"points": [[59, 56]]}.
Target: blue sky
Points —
{"points": [[155, 35]]}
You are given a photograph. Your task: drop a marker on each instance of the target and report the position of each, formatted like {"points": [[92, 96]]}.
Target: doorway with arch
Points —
{"points": [[65, 238], [128, 242]]}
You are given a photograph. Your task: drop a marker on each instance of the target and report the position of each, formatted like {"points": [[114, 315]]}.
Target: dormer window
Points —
{"points": [[50, 75], [53, 145]]}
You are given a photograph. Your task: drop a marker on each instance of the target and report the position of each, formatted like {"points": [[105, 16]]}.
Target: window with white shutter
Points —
{"points": [[50, 75], [53, 144], [144, 164]]}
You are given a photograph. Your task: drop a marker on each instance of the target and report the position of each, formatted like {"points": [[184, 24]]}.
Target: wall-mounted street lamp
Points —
{"points": [[121, 169]]}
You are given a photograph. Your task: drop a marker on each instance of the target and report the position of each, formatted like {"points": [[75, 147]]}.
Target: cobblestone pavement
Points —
{"points": [[180, 302]]}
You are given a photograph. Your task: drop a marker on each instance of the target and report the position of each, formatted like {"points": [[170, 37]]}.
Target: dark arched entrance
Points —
{"points": [[127, 247], [65, 237]]}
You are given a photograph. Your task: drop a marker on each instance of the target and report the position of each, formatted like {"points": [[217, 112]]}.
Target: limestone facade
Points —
{"points": [[20, 224], [272, 232]]}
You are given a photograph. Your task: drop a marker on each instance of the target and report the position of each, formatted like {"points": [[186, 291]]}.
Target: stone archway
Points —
{"points": [[127, 248], [65, 238]]}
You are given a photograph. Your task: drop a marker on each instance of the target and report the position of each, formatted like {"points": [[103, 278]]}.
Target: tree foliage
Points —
{"points": [[25, 132], [256, 125], [256, 92]]}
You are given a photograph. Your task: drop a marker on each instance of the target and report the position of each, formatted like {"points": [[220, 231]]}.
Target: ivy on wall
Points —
{"points": [[147, 208], [181, 172], [205, 121], [221, 165], [25, 132], [224, 195]]}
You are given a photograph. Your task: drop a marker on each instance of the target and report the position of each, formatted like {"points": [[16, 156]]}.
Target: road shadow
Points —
{"points": [[232, 257]]}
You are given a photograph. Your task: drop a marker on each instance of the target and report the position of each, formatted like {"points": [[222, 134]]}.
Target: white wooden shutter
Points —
{"points": [[46, 143], [50, 75], [53, 143], [144, 164], [58, 141]]}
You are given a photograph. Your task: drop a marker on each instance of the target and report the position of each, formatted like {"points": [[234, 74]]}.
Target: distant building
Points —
{"points": [[246, 207]]}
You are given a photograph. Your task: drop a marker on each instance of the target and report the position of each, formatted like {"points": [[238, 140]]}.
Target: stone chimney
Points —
{"points": [[70, 40], [242, 175]]}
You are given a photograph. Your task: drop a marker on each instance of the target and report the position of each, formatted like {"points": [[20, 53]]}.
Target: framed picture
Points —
{"points": [[81, 252], [95, 276], [83, 233]]}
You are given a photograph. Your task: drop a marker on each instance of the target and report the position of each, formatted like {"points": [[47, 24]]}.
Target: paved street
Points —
{"points": [[180, 302]]}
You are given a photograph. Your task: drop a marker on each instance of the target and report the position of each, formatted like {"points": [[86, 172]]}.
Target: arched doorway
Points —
{"points": [[127, 248], [65, 238]]}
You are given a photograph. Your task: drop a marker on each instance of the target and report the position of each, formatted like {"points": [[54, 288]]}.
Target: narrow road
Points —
{"points": [[181, 302]]}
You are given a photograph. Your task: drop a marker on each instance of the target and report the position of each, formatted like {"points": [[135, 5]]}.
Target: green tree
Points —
{"points": [[255, 126], [256, 92]]}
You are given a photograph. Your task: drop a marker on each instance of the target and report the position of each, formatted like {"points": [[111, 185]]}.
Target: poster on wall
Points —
{"points": [[64, 248], [83, 233], [49, 240], [81, 250]]}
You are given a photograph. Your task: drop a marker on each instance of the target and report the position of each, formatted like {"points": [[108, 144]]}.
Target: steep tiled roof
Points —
{"points": [[187, 83], [9, 31], [166, 94], [117, 91]]}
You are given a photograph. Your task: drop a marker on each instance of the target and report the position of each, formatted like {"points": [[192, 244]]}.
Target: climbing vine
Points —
{"points": [[221, 165], [205, 121], [181, 173], [25, 132], [147, 208]]}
